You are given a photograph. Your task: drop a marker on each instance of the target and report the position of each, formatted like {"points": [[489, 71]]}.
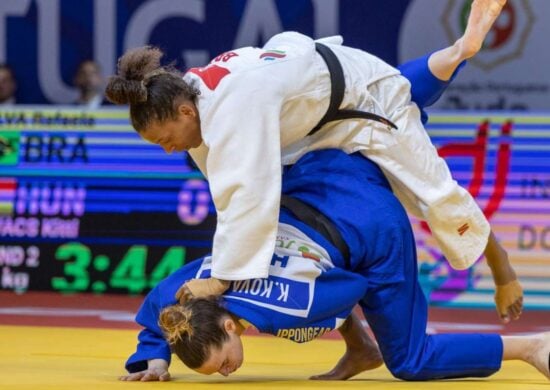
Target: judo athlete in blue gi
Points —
{"points": [[312, 288]]}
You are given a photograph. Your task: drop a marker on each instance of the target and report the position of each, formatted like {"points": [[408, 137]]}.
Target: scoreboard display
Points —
{"points": [[86, 205]]}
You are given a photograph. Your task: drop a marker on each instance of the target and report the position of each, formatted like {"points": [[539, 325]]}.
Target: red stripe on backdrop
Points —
{"points": [[7, 184], [117, 312], [76, 310]]}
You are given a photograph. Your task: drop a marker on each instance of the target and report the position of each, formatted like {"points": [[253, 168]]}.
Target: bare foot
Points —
{"points": [[352, 363], [482, 16], [540, 357]]}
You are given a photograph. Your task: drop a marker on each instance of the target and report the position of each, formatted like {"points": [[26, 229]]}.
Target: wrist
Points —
{"points": [[157, 363], [223, 283], [502, 271]]}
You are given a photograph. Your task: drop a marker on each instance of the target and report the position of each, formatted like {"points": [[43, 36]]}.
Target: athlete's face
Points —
{"points": [[176, 135], [229, 357]]}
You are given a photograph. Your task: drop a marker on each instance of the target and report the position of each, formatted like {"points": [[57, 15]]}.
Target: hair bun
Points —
{"points": [[128, 85], [175, 321], [122, 91]]}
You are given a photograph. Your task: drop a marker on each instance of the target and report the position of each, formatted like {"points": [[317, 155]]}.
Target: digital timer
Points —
{"points": [[128, 274]]}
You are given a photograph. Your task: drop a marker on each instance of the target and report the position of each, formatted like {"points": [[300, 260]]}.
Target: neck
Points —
{"points": [[241, 324]]}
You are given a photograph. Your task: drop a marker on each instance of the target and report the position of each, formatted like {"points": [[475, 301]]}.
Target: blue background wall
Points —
{"points": [[369, 24]]}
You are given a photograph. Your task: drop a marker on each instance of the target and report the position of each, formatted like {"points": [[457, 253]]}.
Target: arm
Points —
{"points": [[508, 294], [151, 360], [244, 173]]}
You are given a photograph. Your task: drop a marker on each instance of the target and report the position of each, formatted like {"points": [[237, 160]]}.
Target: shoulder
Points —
{"points": [[290, 38]]}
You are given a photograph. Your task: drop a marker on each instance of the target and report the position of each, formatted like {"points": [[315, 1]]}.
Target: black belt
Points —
{"points": [[318, 222], [338, 86]]}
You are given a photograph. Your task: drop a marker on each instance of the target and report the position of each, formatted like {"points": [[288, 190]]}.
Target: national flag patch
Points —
{"points": [[311, 256], [9, 147], [271, 55], [7, 195]]}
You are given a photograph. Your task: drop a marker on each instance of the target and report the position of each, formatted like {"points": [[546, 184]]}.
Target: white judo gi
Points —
{"points": [[257, 106]]}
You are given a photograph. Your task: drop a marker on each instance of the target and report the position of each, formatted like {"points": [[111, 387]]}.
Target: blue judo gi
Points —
{"points": [[312, 291]]}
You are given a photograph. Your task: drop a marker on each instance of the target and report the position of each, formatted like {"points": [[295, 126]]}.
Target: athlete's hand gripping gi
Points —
{"points": [[201, 288]]}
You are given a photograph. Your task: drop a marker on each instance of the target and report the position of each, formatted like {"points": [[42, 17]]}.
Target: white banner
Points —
{"points": [[512, 70]]}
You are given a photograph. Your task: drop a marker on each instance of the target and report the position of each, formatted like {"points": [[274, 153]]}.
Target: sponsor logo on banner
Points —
{"points": [[500, 160]]}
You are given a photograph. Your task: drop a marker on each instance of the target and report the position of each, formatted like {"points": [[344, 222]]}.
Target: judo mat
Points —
{"points": [[58, 342]]}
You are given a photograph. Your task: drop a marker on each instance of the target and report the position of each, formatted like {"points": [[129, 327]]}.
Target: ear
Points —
{"points": [[187, 109], [229, 325]]}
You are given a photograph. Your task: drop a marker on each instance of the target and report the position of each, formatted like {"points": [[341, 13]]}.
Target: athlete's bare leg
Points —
{"points": [[534, 350], [483, 14]]}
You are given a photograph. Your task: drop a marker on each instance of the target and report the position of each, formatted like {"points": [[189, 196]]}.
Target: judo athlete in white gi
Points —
{"points": [[312, 286], [252, 111]]}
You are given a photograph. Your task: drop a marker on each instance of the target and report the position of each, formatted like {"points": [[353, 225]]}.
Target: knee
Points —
{"points": [[408, 374], [408, 371]]}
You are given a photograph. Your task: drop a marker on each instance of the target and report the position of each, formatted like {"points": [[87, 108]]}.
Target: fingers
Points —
{"points": [[136, 376], [509, 301], [184, 294], [504, 318], [511, 312], [516, 308], [199, 288], [150, 377]]}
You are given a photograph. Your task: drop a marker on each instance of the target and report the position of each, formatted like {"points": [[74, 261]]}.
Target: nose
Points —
{"points": [[224, 372], [167, 149]]}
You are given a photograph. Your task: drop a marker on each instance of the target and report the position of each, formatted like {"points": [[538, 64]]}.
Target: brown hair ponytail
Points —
{"points": [[176, 323], [151, 90], [194, 328]]}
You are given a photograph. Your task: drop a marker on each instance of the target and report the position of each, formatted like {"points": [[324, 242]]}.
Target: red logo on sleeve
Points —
{"points": [[461, 230], [211, 75]]}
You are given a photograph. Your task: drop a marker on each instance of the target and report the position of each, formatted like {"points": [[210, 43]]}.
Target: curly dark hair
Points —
{"points": [[152, 91]]}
